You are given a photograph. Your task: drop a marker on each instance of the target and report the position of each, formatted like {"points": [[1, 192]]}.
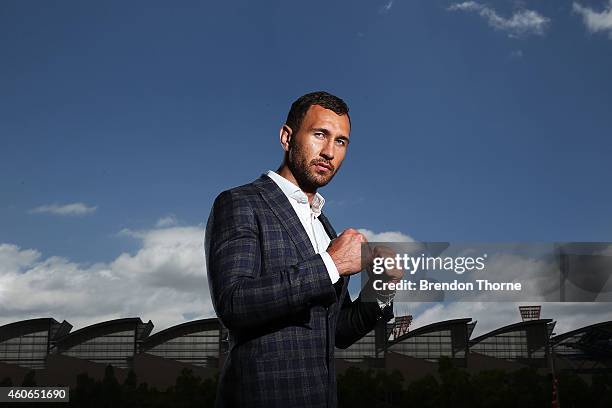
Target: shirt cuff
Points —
{"points": [[382, 304], [386, 300], [331, 267]]}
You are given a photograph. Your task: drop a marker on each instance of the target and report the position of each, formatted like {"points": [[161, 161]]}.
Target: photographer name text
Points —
{"points": [[425, 285]]}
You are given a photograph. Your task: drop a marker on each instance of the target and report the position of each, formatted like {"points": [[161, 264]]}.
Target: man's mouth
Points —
{"points": [[323, 166]]}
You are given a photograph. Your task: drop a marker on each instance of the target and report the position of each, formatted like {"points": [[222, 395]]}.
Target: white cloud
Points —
{"points": [[494, 314], [386, 7], [126, 232], [596, 21], [167, 221], [165, 281], [516, 54], [390, 236], [66, 209], [12, 258], [521, 23]]}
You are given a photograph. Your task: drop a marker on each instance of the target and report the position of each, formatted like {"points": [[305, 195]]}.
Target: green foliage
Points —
{"points": [[424, 392], [455, 388], [493, 389], [601, 390], [358, 388], [29, 379], [574, 391], [188, 391], [452, 387], [529, 389]]}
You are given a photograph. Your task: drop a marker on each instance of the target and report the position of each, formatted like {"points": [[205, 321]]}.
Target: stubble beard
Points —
{"points": [[302, 169]]}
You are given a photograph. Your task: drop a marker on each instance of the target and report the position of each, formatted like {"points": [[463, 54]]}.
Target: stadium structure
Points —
{"points": [[57, 354]]}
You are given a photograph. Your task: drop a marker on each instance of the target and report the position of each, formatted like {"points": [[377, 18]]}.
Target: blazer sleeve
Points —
{"points": [[357, 318], [243, 296]]}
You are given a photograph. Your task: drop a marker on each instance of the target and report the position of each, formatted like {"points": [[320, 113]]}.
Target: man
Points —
{"points": [[278, 285]]}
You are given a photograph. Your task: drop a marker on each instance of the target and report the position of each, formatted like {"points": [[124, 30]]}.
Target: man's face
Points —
{"points": [[317, 149]]}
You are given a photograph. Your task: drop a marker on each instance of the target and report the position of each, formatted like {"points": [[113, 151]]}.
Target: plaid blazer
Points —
{"points": [[273, 294]]}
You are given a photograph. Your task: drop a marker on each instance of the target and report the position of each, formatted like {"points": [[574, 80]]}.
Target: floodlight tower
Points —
{"points": [[530, 312]]}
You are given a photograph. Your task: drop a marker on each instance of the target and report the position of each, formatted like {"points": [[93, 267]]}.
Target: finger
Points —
{"points": [[369, 254]]}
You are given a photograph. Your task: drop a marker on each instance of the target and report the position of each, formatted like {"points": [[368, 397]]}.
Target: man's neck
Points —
{"points": [[285, 172]]}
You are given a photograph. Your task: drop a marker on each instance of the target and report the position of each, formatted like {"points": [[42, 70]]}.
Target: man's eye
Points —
{"points": [[341, 142], [319, 135]]}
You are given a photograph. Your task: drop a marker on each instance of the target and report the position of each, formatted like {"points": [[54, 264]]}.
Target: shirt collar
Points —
{"points": [[295, 193]]}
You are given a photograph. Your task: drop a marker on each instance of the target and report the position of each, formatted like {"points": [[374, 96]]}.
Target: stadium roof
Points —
{"points": [[110, 326], [510, 328], [23, 327], [603, 326], [594, 339], [181, 330], [430, 328]]}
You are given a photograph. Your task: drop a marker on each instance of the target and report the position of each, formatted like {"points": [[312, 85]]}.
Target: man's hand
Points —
{"points": [[391, 274], [345, 251]]}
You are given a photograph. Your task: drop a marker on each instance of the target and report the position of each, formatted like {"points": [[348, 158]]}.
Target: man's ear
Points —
{"points": [[285, 137]]}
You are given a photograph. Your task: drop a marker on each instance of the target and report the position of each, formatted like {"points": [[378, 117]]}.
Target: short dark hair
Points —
{"points": [[303, 103]]}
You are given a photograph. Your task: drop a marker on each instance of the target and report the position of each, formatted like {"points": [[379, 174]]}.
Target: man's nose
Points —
{"points": [[328, 150]]}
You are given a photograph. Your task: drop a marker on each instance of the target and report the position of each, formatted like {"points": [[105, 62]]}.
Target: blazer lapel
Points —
{"points": [[327, 225], [280, 205]]}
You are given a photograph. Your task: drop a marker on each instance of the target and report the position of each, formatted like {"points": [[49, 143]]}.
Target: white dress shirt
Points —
{"points": [[309, 216]]}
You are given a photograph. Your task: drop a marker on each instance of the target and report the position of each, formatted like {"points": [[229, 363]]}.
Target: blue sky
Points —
{"points": [[472, 121]]}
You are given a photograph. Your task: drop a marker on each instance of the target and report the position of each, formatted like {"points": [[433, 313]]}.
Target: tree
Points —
{"points": [[110, 389], [455, 388], [424, 392], [29, 380]]}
